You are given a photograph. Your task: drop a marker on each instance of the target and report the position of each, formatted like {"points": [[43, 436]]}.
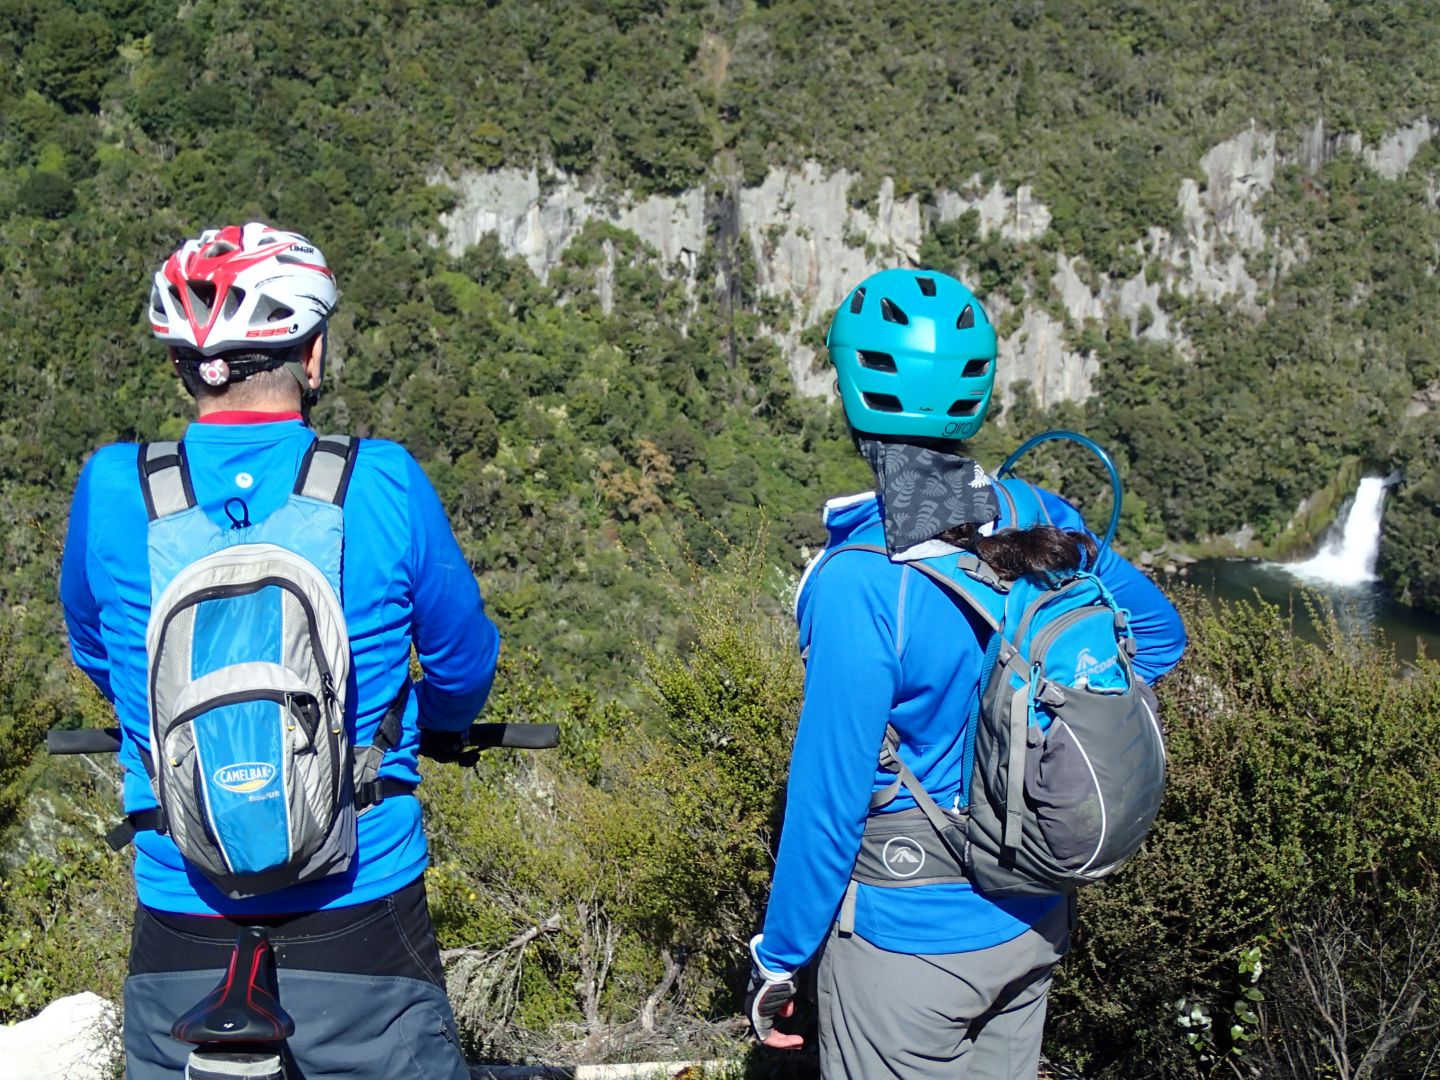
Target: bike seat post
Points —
{"points": [[223, 1061]]}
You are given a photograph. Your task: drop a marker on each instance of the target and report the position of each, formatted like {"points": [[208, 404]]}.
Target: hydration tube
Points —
{"points": [[1096, 449]]}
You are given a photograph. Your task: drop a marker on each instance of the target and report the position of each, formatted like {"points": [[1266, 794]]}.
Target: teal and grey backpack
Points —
{"points": [[248, 664], [1064, 749]]}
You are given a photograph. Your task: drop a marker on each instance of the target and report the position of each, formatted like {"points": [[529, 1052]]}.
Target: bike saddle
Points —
{"points": [[240, 1009]]}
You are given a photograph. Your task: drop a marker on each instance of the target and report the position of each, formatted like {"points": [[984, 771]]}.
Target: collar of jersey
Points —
{"points": [[268, 432], [247, 416]]}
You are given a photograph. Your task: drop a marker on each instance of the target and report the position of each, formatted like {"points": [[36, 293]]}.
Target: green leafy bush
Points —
{"points": [[595, 902], [1303, 781], [45, 195]]}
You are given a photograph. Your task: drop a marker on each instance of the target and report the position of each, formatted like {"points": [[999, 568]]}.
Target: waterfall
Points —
{"points": [[1347, 555]]}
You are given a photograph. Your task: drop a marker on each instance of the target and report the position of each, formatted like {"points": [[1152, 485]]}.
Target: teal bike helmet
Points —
{"points": [[914, 355]]}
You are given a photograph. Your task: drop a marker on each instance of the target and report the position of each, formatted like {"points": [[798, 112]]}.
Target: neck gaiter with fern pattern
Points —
{"points": [[923, 491]]}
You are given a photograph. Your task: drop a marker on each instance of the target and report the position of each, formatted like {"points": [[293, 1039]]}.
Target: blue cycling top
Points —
{"points": [[884, 645], [404, 582]]}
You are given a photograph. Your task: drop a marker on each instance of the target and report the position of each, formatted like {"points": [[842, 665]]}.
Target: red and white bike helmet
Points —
{"points": [[243, 287]]}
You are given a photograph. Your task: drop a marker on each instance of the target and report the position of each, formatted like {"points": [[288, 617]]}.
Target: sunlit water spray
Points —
{"points": [[1347, 557], [1342, 573]]}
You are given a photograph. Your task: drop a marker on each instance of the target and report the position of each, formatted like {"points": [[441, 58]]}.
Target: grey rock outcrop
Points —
{"points": [[1319, 146], [1398, 149], [1424, 401], [538, 223], [810, 244], [1037, 354]]}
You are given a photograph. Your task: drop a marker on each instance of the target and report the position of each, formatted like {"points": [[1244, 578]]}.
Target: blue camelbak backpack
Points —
{"points": [[249, 657], [1064, 749]]}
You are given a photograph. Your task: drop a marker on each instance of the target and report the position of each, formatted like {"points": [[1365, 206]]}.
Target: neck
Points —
{"points": [[207, 407]]}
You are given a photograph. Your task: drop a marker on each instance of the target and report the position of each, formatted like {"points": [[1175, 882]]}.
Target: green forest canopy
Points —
{"points": [[565, 440], [561, 436]]}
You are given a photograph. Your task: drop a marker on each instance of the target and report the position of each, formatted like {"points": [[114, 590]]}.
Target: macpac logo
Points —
{"points": [[903, 857], [1088, 665], [245, 776]]}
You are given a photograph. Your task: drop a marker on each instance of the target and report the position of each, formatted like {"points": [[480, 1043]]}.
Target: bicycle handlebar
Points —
{"points": [[479, 737], [514, 736], [83, 741]]}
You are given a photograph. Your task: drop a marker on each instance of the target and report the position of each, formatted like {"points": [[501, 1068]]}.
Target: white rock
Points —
{"points": [[1319, 146], [1019, 217], [810, 245], [74, 1038], [1398, 149], [538, 225], [1036, 353]]}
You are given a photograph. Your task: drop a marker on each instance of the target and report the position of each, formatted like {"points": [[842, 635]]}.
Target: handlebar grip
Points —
{"points": [[515, 736], [487, 736], [83, 741]]}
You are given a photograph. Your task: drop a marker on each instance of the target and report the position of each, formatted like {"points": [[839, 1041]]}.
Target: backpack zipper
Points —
{"points": [[1044, 601], [1047, 635], [235, 697], [247, 588]]}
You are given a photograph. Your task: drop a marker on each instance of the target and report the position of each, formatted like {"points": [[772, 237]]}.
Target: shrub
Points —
{"points": [[45, 195], [1302, 788], [595, 903]]}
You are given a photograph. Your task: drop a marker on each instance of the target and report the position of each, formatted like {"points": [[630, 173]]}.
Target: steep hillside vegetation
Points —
{"points": [[594, 418], [127, 125]]}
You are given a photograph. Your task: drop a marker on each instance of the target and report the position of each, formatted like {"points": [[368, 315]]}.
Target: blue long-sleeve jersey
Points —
{"points": [[885, 646], [404, 583]]}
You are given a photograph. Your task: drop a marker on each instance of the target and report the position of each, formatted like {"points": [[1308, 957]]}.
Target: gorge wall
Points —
{"points": [[810, 244]]}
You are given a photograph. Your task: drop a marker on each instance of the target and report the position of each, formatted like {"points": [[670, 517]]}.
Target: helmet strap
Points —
{"points": [[309, 395]]}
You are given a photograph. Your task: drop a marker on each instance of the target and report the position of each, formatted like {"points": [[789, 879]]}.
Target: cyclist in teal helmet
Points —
{"points": [[920, 975]]}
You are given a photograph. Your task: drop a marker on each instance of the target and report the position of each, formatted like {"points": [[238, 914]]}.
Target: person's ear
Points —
{"points": [[315, 360]]}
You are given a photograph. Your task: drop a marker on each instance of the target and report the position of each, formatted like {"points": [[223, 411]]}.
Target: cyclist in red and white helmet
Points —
{"points": [[241, 301], [243, 311]]}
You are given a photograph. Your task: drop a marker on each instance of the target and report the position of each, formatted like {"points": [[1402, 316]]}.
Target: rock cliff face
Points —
{"points": [[810, 244]]}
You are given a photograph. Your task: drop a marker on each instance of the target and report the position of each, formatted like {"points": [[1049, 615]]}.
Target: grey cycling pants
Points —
{"points": [[364, 985], [958, 1016]]}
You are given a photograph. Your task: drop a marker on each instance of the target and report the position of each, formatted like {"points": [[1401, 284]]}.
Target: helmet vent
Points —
{"points": [[890, 312], [157, 306], [975, 368], [857, 301], [876, 361], [218, 247], [967, 318], [279, 313], [883, 402], [927, 285], [963, 408], [202, 298], [233, 299]]}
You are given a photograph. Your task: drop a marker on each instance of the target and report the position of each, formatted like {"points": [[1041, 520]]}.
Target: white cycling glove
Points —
{"points": [[769, 993]]}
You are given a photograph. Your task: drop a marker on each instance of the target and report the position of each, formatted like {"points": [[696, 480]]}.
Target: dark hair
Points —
{"points": [[1041, 550]]}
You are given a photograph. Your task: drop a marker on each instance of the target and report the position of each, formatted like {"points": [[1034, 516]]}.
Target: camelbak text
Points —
{"points": [[245, 776]]}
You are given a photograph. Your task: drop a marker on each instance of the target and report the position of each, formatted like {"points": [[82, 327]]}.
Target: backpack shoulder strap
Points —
{"points": [[1021, 503], [968, 563], [164, 478], [889, 758], [325, 471]]}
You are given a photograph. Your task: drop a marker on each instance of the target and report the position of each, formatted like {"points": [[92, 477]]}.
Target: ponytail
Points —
{"points": [[1042, 550]]}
